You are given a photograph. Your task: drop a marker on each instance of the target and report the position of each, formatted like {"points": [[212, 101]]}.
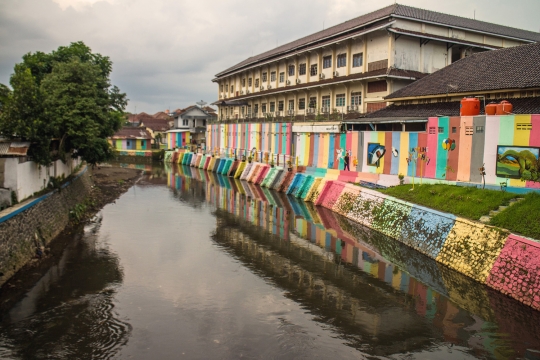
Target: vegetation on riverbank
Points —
{"points": [[468, 202], [522, 218]]}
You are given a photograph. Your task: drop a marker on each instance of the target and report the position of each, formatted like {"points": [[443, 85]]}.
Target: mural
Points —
{"points": [[375, 152], [516, 162]]}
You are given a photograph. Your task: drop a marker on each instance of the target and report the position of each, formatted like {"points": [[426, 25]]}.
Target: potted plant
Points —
{"points": [[401, 178], [272, 163], [289, 165], [249, 159]]}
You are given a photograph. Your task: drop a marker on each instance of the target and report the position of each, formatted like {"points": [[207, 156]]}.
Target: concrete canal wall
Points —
{"points": [[503, 261], [34, 223]]}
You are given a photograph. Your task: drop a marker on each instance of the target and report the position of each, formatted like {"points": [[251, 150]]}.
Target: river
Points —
{"points": [[193, 265]]}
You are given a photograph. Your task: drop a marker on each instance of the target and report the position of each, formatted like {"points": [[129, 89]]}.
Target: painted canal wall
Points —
{"points": [[489, 255], [452, 149], [34, 223]]}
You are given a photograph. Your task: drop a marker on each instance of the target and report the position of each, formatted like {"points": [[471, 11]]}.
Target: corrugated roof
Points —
{"points": [[396, 10], [14, 148], [511, 68], [132, 133]]}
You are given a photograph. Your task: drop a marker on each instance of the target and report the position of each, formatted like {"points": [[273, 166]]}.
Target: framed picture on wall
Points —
{"points": [[375, 152], [516, 161]]}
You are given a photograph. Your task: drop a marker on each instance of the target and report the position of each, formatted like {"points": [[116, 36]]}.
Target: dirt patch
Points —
{"points": [[109, 184]]}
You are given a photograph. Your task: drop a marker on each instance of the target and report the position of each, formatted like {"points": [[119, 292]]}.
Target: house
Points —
{"points": [[157, 127], [131, 138], [350, 68], [193, 119]]}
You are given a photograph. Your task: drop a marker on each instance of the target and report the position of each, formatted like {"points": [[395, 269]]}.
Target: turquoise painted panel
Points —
{"points": [[298, 177], [298, 190], [442, 155], [413, 143], [269, 177], [219, 165], [307, 185]]}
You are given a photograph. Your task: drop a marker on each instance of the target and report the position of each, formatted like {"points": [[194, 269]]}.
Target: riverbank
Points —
{"points": [[105, 185]]}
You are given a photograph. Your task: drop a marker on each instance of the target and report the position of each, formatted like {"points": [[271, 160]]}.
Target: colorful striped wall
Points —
{"points": [[131, 144], [503, 261], [178, 139], [413, 154]]}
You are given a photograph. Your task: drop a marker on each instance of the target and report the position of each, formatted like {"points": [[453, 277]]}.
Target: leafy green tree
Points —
{"points": [[65, 96]]}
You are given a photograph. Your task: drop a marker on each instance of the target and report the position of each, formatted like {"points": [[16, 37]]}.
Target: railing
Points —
{"points": [[257, 156]]}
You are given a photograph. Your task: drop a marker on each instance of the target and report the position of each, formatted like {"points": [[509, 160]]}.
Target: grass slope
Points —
{"points": [[468, 202], [522, 218]]}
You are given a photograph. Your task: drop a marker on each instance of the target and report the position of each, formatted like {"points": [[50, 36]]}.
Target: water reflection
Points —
{"points": [[70, 312], [378, 295]]}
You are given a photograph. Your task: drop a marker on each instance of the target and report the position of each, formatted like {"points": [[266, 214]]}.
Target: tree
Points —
{"points": [[64, 96]]}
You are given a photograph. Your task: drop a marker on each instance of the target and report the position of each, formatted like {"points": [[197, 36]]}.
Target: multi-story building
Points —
{"points": [[350, 68]]}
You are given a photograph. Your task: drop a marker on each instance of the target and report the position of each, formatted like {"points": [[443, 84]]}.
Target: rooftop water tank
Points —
{"points": [[491, 108], [469, 107], [504, 108]]}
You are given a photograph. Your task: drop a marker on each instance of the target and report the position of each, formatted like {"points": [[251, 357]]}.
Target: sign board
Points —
{"points": [[318, 128]]}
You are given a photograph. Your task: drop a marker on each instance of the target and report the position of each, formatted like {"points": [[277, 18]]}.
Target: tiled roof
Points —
{"points": [[530, 105], [511, 68], [157, 124], [132, 133], [161, 115], [14, 148], [392, 72], [396, 10]]}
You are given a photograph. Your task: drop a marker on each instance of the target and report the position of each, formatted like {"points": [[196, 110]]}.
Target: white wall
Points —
{"points": [[27, 178]]}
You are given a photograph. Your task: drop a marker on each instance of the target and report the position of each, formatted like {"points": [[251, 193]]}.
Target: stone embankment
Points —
{"points": [[26, 228], [503, 261]]}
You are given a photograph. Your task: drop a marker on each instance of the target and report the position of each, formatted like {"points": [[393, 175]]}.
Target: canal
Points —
{"points": [[194, 265]]}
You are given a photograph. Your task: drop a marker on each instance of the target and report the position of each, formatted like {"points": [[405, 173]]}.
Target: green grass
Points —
{"points": [[522, 218], [468, 202]]}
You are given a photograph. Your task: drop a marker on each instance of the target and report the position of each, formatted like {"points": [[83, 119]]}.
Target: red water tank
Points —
{"points": [[491, 108], [469, 107], [504, 108]]}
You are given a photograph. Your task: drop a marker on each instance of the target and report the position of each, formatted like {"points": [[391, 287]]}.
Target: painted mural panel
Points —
{"points": [[375, 153], [515, 162]]}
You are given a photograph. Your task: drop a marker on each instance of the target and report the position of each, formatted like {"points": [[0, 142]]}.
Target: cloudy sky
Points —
{"points": [[166, 52]]}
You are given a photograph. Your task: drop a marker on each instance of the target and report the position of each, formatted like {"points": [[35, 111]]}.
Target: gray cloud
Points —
{"points": [[166, 52]]}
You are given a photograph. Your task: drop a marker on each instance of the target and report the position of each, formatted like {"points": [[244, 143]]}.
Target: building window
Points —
{"points": [[327, 62], [479, 129], [242, 110], [468, 130], [376, 86], [256, 83], [291, 104], [454, 129], [326, 101], [272, 106], [313, 102], [291, 70], [356, 98], [256, 108], [232, 89], [221, 87], [227, 88], [301, 104], [243, 82], [302, 69], [523, 126], [340, 100], [249, 82], [313, 70], [128, 143], [357, 60], [280, 105], [273, 76], [432, 130], [342, 60], [281, 77], [263, 107], [264, 77], [441, 130], [185, 122]]}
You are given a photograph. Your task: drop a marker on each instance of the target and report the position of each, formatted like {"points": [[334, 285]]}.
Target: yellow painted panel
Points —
{"points": [[521, 138], [403, 152]]}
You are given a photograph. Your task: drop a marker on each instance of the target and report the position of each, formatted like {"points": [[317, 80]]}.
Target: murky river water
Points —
{"points": [[193, 265]]}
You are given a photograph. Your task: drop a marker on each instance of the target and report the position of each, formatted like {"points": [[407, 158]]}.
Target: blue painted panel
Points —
{"points": [[396, 141]]}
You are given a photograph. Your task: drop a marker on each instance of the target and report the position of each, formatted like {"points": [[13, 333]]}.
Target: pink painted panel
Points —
{"points": [[323, 193], [431, 168], [464, 162], [534, 140], [516, 271], [262, 174], [332, 194], [289, 138]]}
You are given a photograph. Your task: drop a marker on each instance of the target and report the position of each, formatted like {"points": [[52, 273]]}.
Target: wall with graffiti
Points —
{"points": [[457, 149]]}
